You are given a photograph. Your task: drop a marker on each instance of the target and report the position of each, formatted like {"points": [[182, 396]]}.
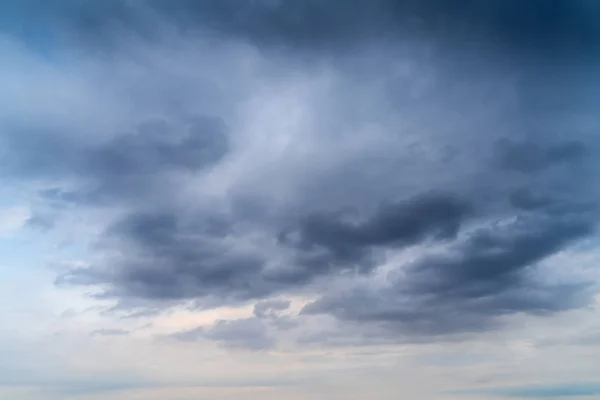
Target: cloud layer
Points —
{"points": [[409, 166]]}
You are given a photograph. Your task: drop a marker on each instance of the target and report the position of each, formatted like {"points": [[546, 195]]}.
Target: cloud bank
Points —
{"points": [[409, 166]]}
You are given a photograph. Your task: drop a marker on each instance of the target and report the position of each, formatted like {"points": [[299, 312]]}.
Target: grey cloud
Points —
{"points": [[269, 311], [526, 199], [171, 258], [491, 253], [110, 332], [268, 308], [317, 209], [156, 147], [431, 215], [252, 333], [249, 333], [259, 332], [127, 165], [567, 25], [43, 222], [488, 273], [530, 156]]}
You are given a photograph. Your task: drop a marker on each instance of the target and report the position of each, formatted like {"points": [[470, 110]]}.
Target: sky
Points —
{"points": [[299, 199]]}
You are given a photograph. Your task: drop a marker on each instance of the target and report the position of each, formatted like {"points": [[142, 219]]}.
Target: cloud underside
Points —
{"points": [[321, 26], [411, 187]]}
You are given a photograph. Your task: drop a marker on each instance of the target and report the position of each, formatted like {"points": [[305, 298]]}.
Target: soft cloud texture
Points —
{"points": [[368, 174], [207, 208]]}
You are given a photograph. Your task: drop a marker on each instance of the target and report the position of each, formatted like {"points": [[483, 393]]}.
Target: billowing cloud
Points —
{"points": [[413, 182], [462, 288]]}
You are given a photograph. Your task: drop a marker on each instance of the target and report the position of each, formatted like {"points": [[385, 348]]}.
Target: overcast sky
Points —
{"points": [[299, 199]]}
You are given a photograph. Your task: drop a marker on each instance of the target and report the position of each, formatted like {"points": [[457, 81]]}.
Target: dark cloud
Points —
{"points": [[530, 156], [488, 273], [525, 199], [326, 240], [311, 181], [170, 258], [268, 308], [327, 25], [157, 146], [127, 165]]}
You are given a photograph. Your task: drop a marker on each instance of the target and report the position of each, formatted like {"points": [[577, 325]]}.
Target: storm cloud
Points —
{"points": [[413, 177], [324, 26]]}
